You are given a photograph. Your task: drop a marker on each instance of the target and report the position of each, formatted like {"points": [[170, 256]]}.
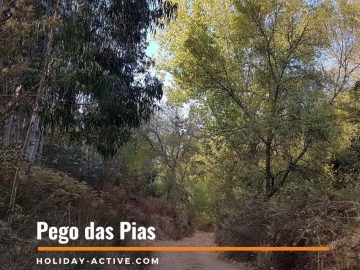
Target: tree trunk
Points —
{"points": [[34, 138], [8, 126], [172, 183], [40, 148], [269, 179], [34, 120]]}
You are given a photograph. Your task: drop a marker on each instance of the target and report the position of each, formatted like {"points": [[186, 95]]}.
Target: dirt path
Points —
{"points": [[194, 260]]}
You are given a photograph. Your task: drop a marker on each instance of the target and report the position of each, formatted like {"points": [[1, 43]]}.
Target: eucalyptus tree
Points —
{"points": [[92, 79], [101, 87], [22, 32]]}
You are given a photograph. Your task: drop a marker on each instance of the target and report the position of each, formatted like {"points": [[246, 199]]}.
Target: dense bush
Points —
{"points": [[346, 166], [328, 223], [247, 226]]}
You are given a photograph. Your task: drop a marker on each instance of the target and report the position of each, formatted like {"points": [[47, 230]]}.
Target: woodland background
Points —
{"points": [[257, 137]]}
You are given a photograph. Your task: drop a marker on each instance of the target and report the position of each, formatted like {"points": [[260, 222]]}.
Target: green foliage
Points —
{"points": [[345, 160], [254, 68], [137, 167], [102, 88], [95, 71], [260, 135], [22, 28], [346, 166], [172, 138]]}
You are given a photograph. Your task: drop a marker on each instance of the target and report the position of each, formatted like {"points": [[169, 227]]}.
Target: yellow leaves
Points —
{"points": [[217, 35], [200, 33], [349, 8]]}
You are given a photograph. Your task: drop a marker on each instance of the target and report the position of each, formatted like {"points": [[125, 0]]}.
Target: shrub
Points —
{"points": [[58, 199], [327, 223], [245, 226]]}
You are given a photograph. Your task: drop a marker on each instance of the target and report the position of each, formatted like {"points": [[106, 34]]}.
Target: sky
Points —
{"points": [[153, 48], [152, 51]]}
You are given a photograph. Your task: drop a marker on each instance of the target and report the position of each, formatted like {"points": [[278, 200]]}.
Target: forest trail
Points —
{"points": [[194, 260]]}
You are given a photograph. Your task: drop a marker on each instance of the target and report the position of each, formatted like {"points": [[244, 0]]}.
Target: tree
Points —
{"points": [[93, 73], [172, 136], [100, 80], [23, 29], [254, 66]]}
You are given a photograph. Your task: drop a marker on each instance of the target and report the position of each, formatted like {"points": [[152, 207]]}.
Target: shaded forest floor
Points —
{"points": [[194, 260]]}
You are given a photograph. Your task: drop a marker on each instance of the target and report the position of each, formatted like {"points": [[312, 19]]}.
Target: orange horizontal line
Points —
{"points": [[185, 249]]}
